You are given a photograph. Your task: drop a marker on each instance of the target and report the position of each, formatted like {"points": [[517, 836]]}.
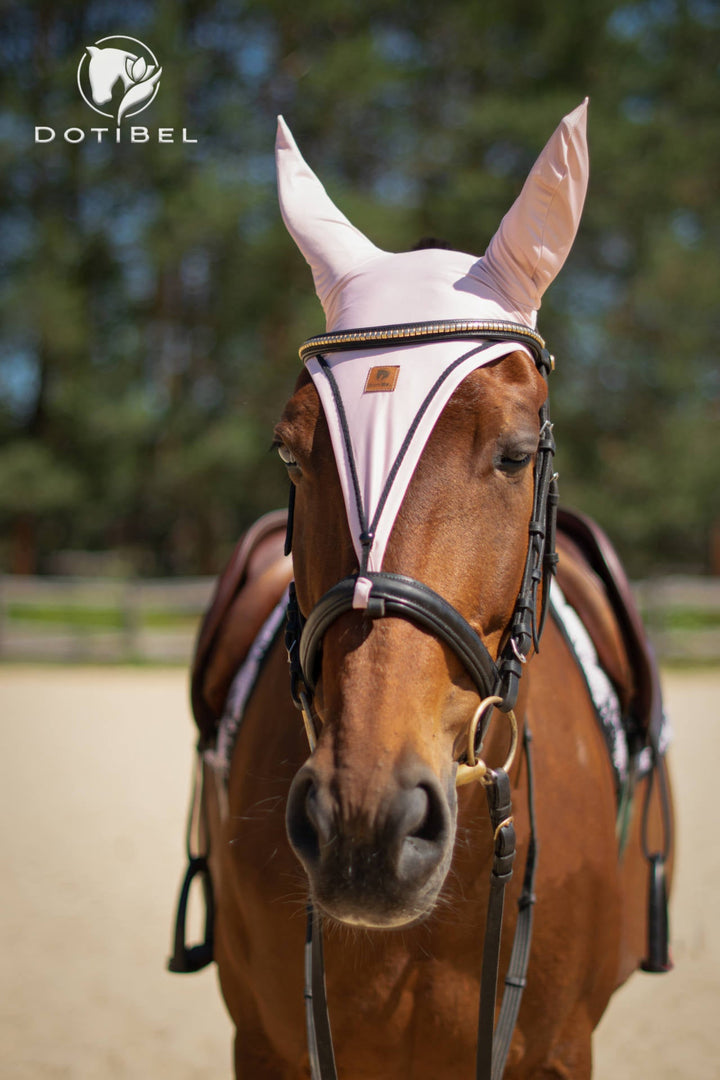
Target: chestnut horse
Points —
{"points": [[372, 824]]}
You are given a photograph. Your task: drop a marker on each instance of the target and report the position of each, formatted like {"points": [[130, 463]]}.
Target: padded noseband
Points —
{"points": [[405, 598]]}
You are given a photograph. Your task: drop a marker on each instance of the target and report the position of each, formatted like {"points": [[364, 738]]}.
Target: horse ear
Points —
{"points": [[536, 234], [330, 243]]}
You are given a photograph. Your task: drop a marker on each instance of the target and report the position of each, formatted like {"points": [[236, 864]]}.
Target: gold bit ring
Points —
{"points": [[475, 769]]}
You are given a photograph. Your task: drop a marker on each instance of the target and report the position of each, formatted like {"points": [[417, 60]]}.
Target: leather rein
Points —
{"points": [[497, 682]]}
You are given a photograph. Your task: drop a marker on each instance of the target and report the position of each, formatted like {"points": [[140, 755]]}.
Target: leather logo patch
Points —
{"points": [[381, 380]]}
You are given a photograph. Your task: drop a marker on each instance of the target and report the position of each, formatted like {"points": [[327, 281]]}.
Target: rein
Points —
{"points": [[380, 595], [493, 1040]]}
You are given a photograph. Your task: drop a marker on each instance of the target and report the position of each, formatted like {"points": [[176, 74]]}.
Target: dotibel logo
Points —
{"points": [[118, 77]]}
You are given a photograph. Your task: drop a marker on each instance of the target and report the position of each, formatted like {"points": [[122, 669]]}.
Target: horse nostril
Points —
{"points": [[423, 831], [414, 813], [302, 817], [432, 826], [311, 807]]}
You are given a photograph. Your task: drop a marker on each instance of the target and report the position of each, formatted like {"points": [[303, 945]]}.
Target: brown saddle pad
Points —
{"points": [[246, 592], [585, 545]]}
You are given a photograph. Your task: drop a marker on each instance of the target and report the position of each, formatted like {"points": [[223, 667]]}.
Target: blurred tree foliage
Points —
{"points": [[152, 304]]}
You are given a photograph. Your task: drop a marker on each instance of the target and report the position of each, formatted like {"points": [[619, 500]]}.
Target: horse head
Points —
{"points": [[409, 462], [105, 67]]}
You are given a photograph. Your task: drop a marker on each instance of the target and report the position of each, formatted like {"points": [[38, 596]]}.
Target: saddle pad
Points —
{"points": [[246, 591], [600, 688], [603, 695], [219, 756]]}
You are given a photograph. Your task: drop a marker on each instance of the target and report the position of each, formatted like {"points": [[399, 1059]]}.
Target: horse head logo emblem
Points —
{"points": [[118, 77]]}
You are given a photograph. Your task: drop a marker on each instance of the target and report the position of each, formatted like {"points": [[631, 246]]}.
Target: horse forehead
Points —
{"points": [[511, 384], [488, 397]]}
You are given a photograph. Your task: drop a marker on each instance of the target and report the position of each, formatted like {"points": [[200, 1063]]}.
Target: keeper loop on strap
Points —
{"points": [[361, 593], [376, 608]]}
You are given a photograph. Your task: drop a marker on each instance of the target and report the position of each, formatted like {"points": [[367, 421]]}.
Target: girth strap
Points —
{"points": [[405, 598]]}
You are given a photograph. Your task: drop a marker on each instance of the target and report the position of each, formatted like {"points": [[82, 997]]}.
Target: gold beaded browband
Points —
{"points": [[404, 333]]}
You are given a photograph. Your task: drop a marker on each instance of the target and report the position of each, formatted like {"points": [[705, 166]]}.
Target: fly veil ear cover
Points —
{"points": [[360, 285], [534, 239]]}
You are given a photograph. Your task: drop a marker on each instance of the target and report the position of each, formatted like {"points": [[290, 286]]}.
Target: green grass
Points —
{"points": [[114, 618], [97, 618], [688, 619]]}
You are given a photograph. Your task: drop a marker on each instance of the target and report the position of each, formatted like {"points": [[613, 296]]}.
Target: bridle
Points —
{"points": [[396, 595], [497, 682]]}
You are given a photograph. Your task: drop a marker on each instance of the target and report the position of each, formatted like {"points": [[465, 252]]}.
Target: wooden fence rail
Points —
{"points": [[682, 615], [100, 620], [65, 619]]}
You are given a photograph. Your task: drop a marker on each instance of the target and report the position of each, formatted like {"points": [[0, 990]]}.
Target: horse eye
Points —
{"points": [[287, 456], [511, 463]]}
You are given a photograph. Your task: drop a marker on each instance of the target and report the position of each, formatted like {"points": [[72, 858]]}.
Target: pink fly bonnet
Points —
{"points": [[382, 404]]}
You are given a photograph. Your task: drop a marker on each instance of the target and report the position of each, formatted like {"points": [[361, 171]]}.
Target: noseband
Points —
{"points": [[395, 595]]}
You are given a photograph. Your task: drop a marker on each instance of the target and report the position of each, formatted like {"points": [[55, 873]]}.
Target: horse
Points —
{"points": [[420, 557]]}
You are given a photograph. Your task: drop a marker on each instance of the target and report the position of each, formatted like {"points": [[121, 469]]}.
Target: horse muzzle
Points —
{"points": [[378, 868]]}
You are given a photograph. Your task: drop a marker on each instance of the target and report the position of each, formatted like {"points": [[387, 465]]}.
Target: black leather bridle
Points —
{"points": [[497, 683], [400, 596], [495, 679]]}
